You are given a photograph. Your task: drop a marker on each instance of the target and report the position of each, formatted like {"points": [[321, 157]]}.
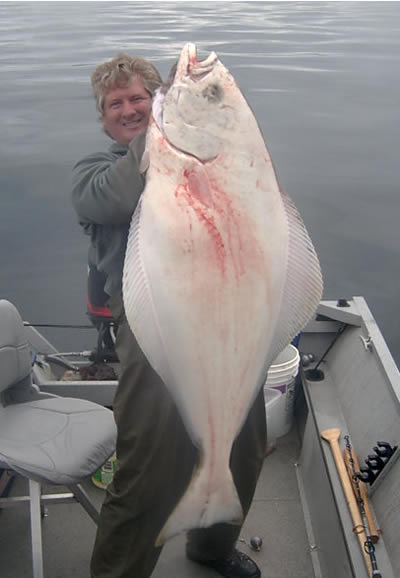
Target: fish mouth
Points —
{"points": [[186, 69], [189, 67]]}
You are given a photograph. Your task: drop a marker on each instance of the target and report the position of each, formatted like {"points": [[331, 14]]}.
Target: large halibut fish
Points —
{"points": [[220, 273]]}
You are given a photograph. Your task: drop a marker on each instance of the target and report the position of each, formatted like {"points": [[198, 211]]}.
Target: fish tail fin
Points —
{"points": [[201, 508]]}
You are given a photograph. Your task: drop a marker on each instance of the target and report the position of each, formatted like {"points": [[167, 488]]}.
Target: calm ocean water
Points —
{"points": [[323, 81]]}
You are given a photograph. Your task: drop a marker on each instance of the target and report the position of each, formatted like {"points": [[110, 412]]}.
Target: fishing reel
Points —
{"points": [[376, 462]]}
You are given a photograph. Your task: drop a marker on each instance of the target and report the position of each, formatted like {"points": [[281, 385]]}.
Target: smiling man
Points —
{"points": [[155, 457], [107, 186], [126, 111]]}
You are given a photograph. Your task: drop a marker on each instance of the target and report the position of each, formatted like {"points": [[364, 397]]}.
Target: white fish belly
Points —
{"points": [[215, 271], [213, 267]]}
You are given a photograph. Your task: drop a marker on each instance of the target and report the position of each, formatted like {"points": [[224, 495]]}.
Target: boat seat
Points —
{"points": [[43, 437]]}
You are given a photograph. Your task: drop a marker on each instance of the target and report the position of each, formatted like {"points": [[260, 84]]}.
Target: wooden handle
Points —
{"points": [[373, 530], [332, 436]]}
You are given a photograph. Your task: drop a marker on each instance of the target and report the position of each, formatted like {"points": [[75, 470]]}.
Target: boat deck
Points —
{"points": [[300, 512], [68, 532]]}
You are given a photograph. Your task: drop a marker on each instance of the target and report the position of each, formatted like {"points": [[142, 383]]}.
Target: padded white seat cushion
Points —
{"points": [[15, 359], [57, 440]]}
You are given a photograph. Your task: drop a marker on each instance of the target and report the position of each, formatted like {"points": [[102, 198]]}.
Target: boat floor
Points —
{"points": [[68, 532]]}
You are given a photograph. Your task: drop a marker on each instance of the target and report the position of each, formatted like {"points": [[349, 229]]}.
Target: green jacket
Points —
{"points": [[106, 188]]}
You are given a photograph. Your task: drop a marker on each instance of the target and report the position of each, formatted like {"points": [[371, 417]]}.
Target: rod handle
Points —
{"points": [[373, 530], [332, 436]]}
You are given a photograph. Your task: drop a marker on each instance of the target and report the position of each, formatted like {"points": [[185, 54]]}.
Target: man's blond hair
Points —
{"points": [[117, 73]]}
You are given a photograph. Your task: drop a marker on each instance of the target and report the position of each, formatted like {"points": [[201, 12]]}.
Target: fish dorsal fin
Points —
{"points": [[303, 285], [138, 301]]}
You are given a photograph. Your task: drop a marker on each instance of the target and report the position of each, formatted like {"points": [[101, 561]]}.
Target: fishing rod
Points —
{"points": [[368, 546], [338, 334], [58, 326], [315, 374]]}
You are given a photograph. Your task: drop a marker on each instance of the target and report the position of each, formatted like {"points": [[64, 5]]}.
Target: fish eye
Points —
{"points": [[213, 92]]}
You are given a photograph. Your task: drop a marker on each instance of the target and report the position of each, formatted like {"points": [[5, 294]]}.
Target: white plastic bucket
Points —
{"points": [[281, 377], [272, 400]]}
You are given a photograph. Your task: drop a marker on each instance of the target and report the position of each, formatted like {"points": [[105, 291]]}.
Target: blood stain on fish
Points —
{"points": [[192, 196], [231, 237]]}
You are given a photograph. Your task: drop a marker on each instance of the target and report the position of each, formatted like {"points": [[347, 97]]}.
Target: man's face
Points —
{"points": [[127, 111]]}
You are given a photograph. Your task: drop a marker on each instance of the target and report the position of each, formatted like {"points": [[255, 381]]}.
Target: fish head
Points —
{"points": [[198, 111]]}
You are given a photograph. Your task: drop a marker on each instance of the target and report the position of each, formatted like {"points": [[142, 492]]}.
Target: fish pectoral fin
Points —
{"points": [[200, 509]]}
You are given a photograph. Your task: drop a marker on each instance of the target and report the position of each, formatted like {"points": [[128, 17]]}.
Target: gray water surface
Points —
{"points": [[321, 77]]}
